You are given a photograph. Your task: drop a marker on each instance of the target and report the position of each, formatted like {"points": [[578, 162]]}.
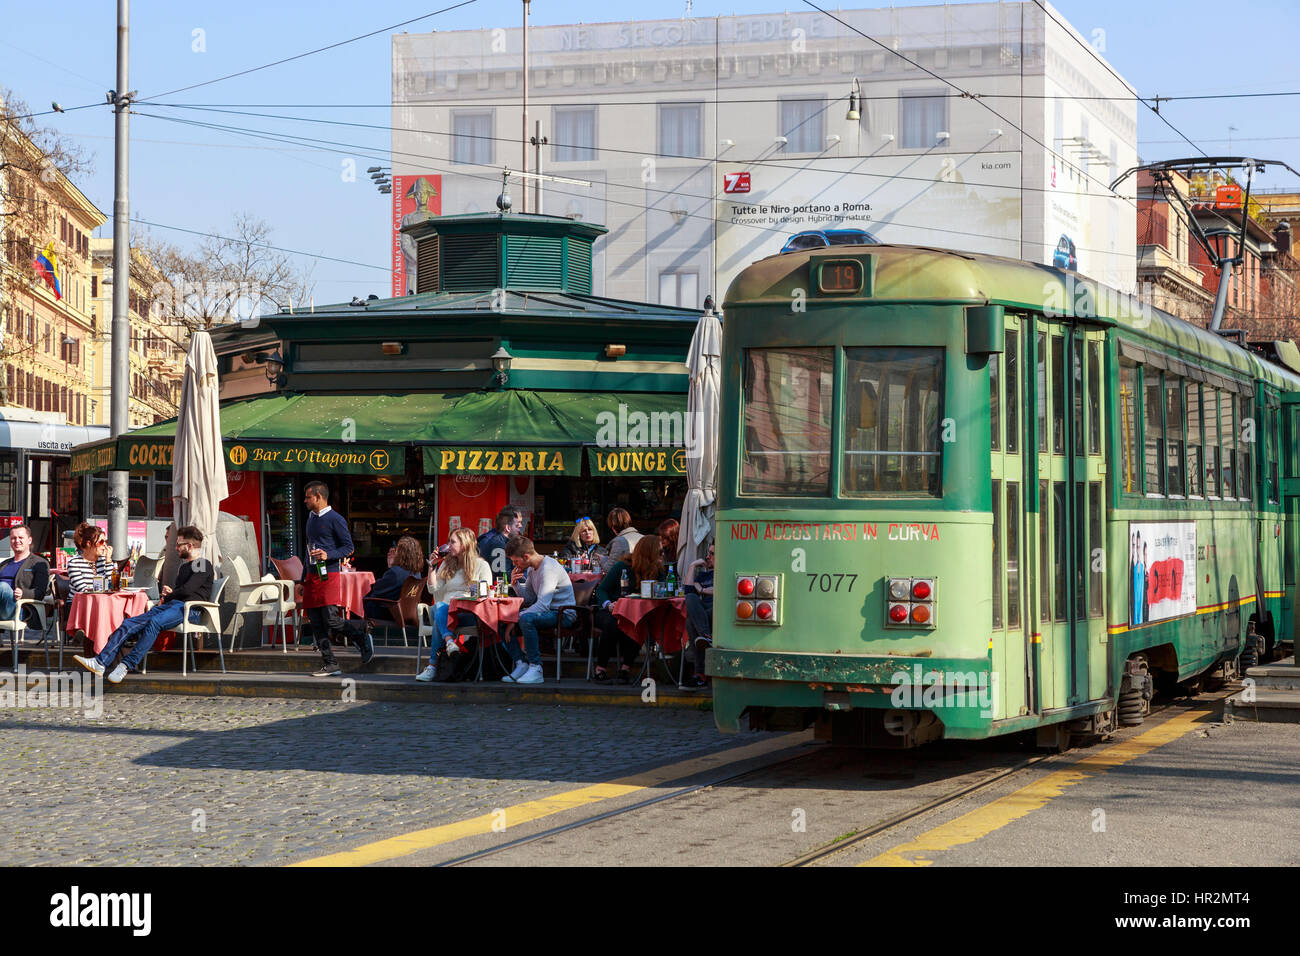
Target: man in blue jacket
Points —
{"points": [[328, 540]]}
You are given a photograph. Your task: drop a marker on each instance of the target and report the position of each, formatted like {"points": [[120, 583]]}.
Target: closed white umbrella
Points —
{"points": [[704, 362], [198, 465]]}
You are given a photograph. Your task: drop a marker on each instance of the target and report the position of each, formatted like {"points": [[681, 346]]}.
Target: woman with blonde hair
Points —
{"points": [[585, 543], [456, 576]]}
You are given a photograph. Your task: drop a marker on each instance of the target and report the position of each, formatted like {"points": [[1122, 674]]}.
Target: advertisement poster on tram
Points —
{"points": [[1162, 570], [416, 197], [965, 201]]}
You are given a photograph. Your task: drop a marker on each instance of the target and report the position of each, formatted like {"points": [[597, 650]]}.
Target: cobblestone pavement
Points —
{"points": [[170, 780]]}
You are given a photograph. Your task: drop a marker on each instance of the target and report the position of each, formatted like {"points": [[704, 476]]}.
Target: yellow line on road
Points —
{"points": [[980, 823], [408, 843]]}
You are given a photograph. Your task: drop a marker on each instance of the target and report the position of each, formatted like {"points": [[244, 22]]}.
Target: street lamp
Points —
{"points": [[274, 362], [501, 363], [855, 101], [379, 175]]}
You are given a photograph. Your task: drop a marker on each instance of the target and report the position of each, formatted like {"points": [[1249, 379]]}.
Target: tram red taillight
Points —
{"points": [[758, 599], [910, 602]]}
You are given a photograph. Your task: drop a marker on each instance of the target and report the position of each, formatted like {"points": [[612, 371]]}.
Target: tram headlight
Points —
{"points": [[745, 586], [744, 610], [900, 588], [898, 613], [910, 602]]}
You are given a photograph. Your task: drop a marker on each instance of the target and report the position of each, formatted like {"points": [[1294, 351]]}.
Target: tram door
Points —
{"points": [[1288, 626], [1067, 540]]}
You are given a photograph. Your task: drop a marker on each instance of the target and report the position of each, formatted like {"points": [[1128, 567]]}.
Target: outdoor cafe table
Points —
{"points": [[652, 622], [495, 614], [356, 585], [98, 615], [585, 576]]}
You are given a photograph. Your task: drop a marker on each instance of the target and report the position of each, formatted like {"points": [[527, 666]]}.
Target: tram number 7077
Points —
{"points": [[823, 581]]}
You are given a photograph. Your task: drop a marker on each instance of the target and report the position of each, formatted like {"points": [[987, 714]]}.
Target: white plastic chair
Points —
{"points": [[263, 597], [16, 625], [427, 629], [209, 623]]}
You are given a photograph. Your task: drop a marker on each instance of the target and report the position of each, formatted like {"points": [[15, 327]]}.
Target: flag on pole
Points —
{"points": [[47, 267]]}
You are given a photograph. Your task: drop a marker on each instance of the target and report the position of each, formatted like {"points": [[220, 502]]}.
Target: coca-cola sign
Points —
{"points": [[471, 486]]}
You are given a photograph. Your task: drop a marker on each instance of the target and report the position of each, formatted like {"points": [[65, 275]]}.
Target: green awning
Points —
{"points": [[527, 432]]}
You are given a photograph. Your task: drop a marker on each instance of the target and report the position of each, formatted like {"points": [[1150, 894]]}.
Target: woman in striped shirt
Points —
{"points": [[94, 556]]}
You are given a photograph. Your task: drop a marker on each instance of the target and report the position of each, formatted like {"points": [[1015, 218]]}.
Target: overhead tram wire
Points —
{"points": [[964, 93], [299, 56], [351, 149], [643, 153], [260, 245]]}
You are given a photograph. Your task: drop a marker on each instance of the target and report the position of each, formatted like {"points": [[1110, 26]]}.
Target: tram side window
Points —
{"points": [[1059, 550], [1228, 444], [894, 403], [1174, 435], [1058, 394], [1044, 554], [1013, 554], [995, 415], [1012, 385], [1194, 439], [1130, 480], [1076, 374], [1040, 392], [1094, 398], [1271, 449], [788, 397], [1096, 601], [1153, 432], [1211, 397], [997, 553]]}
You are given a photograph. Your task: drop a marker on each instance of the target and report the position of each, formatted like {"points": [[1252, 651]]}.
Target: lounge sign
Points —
{"points": [[654, 462], [469, 460], [324, 459]]}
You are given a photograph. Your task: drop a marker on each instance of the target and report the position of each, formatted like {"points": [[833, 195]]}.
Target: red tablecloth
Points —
{"points": [[99, 615], [586, 576], [659, 619], [356, 585], [495, 614]]}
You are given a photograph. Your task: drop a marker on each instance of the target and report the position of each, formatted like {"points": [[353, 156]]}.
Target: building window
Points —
{"points": [[922, 115], [680, 289], [471, 140], [575, 134], [679, 129], [803, 124]]}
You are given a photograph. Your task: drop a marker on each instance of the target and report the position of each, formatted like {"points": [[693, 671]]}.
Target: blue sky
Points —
{"points": [[196, 178]]}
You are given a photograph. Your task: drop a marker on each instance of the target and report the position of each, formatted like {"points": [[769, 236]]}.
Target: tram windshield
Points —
{"points": [[892, 412], [891, 428]]}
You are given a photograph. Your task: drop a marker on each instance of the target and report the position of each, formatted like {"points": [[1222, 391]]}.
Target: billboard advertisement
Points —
{"points": [[416, 196], [965, 201], [1162, 570]]}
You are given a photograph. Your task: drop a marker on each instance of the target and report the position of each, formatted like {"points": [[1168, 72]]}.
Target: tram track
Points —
{"points": [[840, 844]]}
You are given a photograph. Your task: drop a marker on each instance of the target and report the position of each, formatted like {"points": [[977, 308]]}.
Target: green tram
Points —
{"points": [[963, 496]]}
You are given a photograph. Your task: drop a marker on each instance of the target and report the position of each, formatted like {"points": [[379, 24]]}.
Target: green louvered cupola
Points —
{"points": [[481, 251]]}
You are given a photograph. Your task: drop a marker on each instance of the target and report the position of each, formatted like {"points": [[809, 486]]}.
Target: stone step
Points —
{"points": [[1276, 676], [1268, 706]]}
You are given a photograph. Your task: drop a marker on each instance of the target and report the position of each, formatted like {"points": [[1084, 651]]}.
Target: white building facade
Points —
{"points": [[705, 144]]}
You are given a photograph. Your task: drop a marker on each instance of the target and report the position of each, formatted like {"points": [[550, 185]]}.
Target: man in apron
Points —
{"points": [[328, 540]]}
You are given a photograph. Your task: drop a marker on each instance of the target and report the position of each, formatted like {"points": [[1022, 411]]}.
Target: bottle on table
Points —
{"points": [[116, 579], [624, 584], [672, 581]]}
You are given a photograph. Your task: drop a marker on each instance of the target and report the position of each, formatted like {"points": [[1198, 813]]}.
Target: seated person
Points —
{"points": [[625, 536], [25, 575], [585, 542], [699, 613], [667, 532], [457, 576], [545, 588], [645, 564], [406, 560], [492, 545], [193, 583], [94, 557]]}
